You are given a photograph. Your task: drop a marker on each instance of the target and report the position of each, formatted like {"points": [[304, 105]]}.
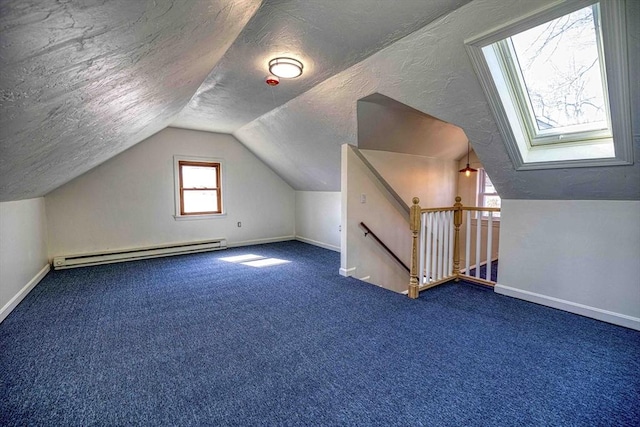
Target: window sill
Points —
{"points": [[198, 217]]}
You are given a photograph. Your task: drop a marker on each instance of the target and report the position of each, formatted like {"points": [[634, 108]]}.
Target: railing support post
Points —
{"points": [[457, 222], [414, 224]]}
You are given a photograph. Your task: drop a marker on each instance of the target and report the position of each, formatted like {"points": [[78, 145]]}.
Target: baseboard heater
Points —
{"points": [[71, 261]]}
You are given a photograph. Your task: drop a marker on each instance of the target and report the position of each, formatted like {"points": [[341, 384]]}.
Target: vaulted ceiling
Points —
{"points": [[83, 81]]}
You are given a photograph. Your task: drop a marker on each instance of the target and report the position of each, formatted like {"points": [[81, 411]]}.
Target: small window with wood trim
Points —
{"points": [[200, 187], [488, 197]]}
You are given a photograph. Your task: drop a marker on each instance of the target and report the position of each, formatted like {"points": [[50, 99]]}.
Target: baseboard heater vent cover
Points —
{"points": [[71, 261]]}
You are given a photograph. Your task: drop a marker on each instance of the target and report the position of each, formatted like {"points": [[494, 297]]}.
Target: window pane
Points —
{"points": [[560, 66], [199, 177], [491, 202], [200, 201], [488, 185]]}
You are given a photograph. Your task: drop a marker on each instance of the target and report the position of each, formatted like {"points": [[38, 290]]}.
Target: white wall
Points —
{"points": [[468, 185], [23, 250], [432, 180], [361, 256], [129, 200], [318, 218], [580, 256], [468, 191]]}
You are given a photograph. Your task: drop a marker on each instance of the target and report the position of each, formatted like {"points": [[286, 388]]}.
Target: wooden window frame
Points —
{"points": [[218, 189]]}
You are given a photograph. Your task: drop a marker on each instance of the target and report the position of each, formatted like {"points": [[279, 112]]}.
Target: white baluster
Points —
{"points": [[423, 221], [445, 253], [467, 249], [434, 250], [428, 246], [478, 241], [489, 242], [451, 243], [440, 243]]}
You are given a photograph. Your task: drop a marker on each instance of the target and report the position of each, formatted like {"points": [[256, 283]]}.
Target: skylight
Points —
{"points": [[555, 101], [560, 65]]}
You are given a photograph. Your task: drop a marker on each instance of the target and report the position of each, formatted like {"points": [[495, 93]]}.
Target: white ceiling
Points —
{"points": [[84, 81], [387, 125], [81, 82], [328, 36]]}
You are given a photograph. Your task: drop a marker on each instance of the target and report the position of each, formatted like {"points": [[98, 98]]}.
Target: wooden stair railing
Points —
{"points": [[435, 252], [368, 231]]}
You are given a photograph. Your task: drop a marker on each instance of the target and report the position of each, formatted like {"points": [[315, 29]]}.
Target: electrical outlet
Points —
{"points": [[239, 224], [339, 228], [363, 198]]}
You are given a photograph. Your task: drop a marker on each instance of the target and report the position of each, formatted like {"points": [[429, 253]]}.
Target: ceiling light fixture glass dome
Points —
{"points": [[285, 68]]}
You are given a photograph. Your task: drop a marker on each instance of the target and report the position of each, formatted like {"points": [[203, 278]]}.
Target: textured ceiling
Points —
{"points": [[83, 81], [430, 71], [328, 36]]}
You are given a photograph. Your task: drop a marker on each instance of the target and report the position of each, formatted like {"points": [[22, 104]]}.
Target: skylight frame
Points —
{"points": [[586, 150], [581, 133]]}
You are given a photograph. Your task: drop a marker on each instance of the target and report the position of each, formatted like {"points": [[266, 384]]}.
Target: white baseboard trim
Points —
{"points": [[260, 241], [319, 244], [347, 272], [17, 298], [572, 307]]}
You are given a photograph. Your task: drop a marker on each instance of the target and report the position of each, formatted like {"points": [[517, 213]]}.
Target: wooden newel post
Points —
{"points": [[414, 224], [457, 222]]}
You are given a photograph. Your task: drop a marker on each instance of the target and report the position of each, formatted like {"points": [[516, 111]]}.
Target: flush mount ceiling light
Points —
{"points": [[467, 171], [285, 68]]}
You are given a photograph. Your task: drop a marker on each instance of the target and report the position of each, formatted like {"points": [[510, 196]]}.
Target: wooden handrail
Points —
{"points": [[464, 208], [483, 209], [368, 231], [445, 209]]}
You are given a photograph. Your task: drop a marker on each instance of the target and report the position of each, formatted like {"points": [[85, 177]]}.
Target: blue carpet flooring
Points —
{"points": [[483, 271], [194, 340]]}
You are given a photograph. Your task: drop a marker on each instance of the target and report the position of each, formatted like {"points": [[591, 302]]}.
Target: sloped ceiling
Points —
{"points": [[387, 125], [430, 71], [328, 36], [83, 81]]}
